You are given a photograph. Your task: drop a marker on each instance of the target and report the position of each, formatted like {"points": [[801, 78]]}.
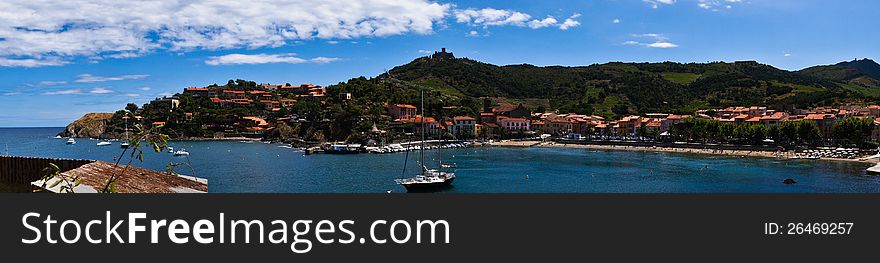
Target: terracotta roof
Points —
{"points": [[406, 106], [195, 89], [159, 123], [815, 116], [775, 116], [513, 120], [418, 119], [258, 120], [464, 118], [135, 180]]}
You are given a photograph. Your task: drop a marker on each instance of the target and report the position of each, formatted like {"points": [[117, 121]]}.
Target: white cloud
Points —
{"points": [[100, 90], [49, 33], [487, 17], [661, 45], [64, 92], [716, 5], [323, 60], [11, 93], [146, 88], [787, 55], [332, 42], [473, 33], [616, 21], [491, 17], [240, 59], [165, 94], [657, 37], [28, 62], [425, 51], [132, 95], [48, 83], [660, 41], [89, 78], [656, 3], [549, 21], [570, 22]]}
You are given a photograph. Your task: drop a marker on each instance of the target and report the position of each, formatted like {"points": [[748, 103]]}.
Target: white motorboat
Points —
{"points": [[170, 149], [181, 152], [104, 143], [71, 141]]}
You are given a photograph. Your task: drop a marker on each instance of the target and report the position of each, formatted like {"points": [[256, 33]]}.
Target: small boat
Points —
{"points": [[124, 145], [342, 149], [181, 152], [170, 149], [104, 143], [71, 141], [57, 137]]}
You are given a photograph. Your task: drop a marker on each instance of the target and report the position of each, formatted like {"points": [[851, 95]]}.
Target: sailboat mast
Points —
{"points": [[422, 146]]}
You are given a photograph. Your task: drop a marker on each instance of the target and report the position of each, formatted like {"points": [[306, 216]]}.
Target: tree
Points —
{"points": [[788, 131], [808, 132], [851, 131], [131, 107]]}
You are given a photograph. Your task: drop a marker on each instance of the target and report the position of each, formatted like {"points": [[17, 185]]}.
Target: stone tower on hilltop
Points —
{"points": [[442, 54]]}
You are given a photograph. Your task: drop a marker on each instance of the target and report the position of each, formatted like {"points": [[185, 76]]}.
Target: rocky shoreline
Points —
{"points": [[708, 151]]}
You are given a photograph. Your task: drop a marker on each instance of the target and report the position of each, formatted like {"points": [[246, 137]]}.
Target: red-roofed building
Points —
{"points": [[432, 127], [464, 127], [514, 124], [537, 125], [513, 111], [774, 119], [824, 121], [558, 126], [234, 94], [287, 103], [401, 111]]}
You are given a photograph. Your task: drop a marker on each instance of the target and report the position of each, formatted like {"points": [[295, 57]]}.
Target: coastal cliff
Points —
{"points": [[92, 125]]}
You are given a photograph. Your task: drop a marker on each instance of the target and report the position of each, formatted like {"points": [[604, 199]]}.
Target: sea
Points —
{"points": [[257, 167]]}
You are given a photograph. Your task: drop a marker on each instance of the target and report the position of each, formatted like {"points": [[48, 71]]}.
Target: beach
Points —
{"points": [[707, 151]]}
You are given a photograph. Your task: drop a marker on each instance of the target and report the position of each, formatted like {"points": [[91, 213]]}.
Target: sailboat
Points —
{"points": [[428, 180], [124, 144]]}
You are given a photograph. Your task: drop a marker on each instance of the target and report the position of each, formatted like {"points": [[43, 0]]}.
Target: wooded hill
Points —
{"points": [[616, 89]]}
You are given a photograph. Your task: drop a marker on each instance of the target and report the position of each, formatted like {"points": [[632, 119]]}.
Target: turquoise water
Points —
{"points": [[257, 167]]}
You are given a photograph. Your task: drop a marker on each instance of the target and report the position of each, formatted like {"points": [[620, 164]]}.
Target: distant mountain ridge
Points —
{"points": [[857, 72], [615, 89]]}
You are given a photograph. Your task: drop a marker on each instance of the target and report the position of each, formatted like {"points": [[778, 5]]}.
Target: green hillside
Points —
{"points": [[616, 89]]}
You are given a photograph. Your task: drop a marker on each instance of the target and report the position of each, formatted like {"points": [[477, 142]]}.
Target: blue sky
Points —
{"points": [[59, 62]]}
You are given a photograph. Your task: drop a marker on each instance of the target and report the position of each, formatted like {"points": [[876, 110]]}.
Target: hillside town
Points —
{"points": [[243, 109], [516, 121]]}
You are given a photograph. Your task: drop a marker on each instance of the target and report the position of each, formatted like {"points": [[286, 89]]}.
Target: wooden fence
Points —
{"points": [[17, 173]]}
